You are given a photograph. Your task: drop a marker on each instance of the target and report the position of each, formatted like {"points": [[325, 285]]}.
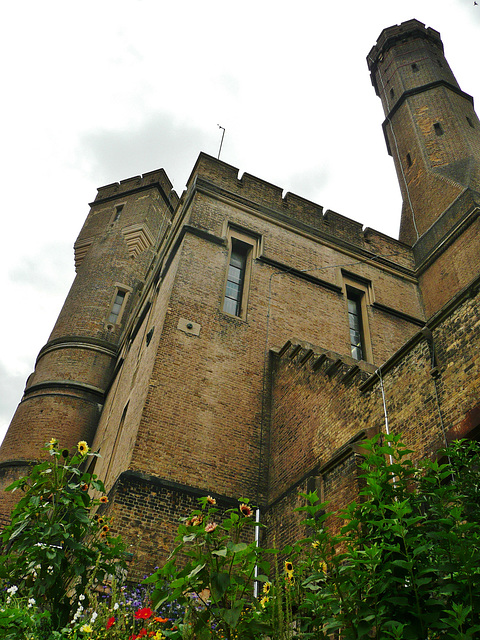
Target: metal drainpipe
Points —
{"points": [[257, 542]]}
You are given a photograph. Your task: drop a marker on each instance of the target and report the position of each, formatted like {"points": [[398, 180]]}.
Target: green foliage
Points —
{"points": [[407, 561], [211, 574], [54, 548], [404, 565]]}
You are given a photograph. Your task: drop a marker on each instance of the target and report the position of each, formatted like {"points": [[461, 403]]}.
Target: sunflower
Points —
{"points": [[211, 500], [288, 567], [104, 499], [246, 510], [82, 447], [105, 528], [266, 587], [52, 444]]}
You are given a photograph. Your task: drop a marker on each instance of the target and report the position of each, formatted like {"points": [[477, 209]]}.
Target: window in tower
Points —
{"points": [[118, 211], [409, 160], [470, 122], [117, 307], [354, 300], [392, 94], [438, 129], [242, 249], [358, 293], [415, 67], [236, 278]]}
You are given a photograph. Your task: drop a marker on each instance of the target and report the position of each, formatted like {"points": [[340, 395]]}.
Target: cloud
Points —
{"points": [[159, 141], [41, 270], [12, 385]]}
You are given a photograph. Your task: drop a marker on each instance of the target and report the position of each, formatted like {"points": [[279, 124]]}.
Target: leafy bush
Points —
{"points": [[54, 549], [407, 561]]}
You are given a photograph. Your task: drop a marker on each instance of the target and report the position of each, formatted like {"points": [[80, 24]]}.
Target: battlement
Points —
{"points": [[139, 183], [390, 37], [318, 360], [270, 198]]}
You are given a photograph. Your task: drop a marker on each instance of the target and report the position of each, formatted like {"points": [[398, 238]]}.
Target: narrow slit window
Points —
{"points": [[470, 122], [232, 303], [118, 211], [409, 160], [357, 343], [116, 307], [415, 67], [392, 94], [438, 129]]}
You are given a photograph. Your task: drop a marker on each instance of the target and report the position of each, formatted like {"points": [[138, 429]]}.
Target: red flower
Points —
{"points": [[133, 637], [143, 614], [161, 619], [111, 622], [142, 632]]}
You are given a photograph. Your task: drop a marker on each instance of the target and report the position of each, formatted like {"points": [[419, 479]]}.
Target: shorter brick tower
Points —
{"points": [[64, 396]]}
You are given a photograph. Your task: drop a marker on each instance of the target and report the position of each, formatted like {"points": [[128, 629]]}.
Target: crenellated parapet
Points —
{"points": [[138, 183], [225, 181]]}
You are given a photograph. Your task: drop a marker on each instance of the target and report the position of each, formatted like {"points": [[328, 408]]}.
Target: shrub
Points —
{"points": [[54, 549]]}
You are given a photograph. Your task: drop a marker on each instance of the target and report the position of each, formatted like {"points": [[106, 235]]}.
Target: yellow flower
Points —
{"points": [[158, 636], [263, 601], [86, 628], [315, 544], [211, 500], [323, 567], [82, 447], [104, 499], [288, 567], [52, 444], [266, 587]]}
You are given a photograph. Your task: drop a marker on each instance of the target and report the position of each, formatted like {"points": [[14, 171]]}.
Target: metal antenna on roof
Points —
{"points": [[221, 141]]}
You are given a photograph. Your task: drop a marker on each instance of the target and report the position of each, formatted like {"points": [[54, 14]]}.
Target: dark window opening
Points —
{"points": [[392, 93], [409, 160], [118, 211], [236, 278], [470, 122], [117, 306], [439, 64], [438, 129], [354, 299], [415, 67]]}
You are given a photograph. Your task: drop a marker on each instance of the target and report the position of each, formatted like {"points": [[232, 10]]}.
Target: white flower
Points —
{"points": [[94, 617], [13, 589], [116, 606], [50, 569], [81, 597]]}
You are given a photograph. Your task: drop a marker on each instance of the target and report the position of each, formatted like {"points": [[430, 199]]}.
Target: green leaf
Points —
{"points": [[219, 584], [232, 615]]}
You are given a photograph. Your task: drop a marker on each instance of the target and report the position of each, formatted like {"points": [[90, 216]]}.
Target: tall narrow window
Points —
{"points": [[357, 342], [438, 129], [409, 160], [118, 211], [117, 307], [236, 277]]}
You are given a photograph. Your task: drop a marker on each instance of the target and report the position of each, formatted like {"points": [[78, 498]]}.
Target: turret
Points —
{"points": [[431, 128], [433, 134], [64, 395]]}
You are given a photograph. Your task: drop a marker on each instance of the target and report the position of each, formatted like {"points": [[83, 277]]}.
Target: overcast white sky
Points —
{"points": [[101, 90]]}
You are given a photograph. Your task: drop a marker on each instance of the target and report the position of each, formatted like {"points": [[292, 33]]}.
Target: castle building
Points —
{"points": [[240, 342]]}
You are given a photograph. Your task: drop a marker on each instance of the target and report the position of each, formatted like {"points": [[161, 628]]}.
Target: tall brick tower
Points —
{"points": [[65, 394], [433, 134]]}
